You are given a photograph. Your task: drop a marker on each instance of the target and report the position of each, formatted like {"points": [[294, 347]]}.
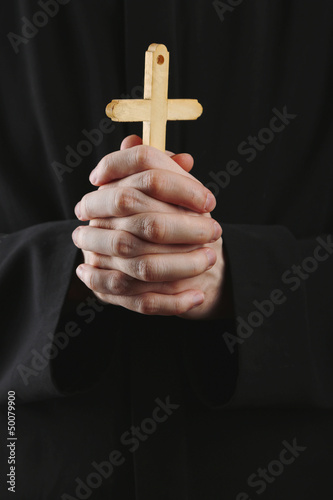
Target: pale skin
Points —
{"points": [[151, 245]]}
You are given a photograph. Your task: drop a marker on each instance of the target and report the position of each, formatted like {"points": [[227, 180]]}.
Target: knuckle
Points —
{"points": [[123, 199], [122, 244], [153, 181], [147, 304], [117, 283], [153, 228], [141, 155], [144, 269]]}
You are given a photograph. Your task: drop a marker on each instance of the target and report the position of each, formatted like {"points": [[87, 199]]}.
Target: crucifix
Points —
{"points": [[155, 109]]}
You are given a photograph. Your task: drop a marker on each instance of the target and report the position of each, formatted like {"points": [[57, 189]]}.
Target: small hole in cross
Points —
{"points": [[160, 59]]}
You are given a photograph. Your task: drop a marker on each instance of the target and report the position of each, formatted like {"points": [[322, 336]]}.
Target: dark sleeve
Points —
{"points": [[279, 349], [38, 327]]}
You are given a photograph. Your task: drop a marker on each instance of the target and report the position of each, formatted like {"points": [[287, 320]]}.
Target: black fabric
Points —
{"points": [[238, 401]]}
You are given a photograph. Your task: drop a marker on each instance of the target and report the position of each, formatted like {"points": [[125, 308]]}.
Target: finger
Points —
{"points": [[120, 164], [130, 142], [105, 242], [118, 283], [171, 188], [167, 267], [184, 160], [134, 140], [163, 305], [169, 229], [115, 201], [149, 303]]}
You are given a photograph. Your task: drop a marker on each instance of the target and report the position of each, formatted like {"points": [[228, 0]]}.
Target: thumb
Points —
{"points": [[184, 160], [130, 142]]}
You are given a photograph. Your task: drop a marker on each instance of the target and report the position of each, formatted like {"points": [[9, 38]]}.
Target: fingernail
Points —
{"points": [[79, 271], [93, 177], [77, 211], [217, 230], [210, 202], [210, 257], [74, 233], [197, 299]]}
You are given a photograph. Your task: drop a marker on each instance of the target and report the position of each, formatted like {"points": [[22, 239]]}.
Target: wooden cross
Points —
{"points": [[155, 109]]}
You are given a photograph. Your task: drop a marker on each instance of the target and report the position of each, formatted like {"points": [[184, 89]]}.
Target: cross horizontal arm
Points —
{"points": [[138, 110], [129, 110], [184, 109]]}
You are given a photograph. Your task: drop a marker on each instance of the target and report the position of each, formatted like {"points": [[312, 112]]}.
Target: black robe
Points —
{"points": [[136, 407]]}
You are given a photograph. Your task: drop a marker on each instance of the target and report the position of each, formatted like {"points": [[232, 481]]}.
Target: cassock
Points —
{"points": [[111, 404]]}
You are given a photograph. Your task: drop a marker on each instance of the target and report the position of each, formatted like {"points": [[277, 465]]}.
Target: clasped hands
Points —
{"points": [[151, 245]]}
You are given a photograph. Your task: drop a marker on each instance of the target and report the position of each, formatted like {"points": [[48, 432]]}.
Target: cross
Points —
{"points": [[155, 109]]}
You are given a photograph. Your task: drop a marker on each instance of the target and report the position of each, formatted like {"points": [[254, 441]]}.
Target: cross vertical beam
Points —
{"points": [[156, 90]]}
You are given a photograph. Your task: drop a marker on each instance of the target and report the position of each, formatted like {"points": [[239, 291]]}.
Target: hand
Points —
{"points": [[142, 250]]}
